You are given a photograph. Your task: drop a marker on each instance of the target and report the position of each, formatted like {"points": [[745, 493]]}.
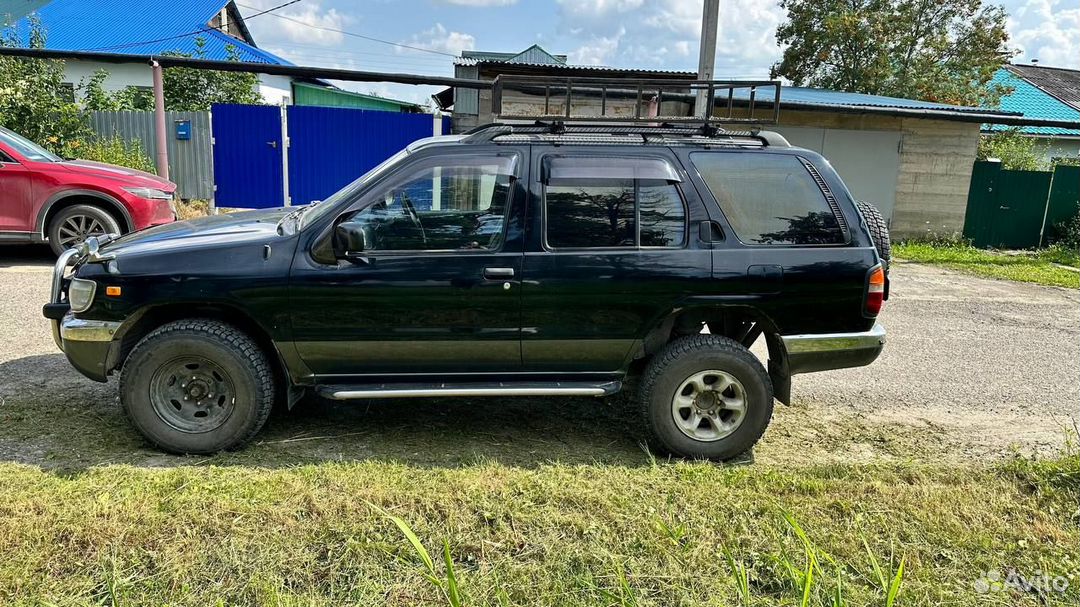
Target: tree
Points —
{"points": [[1015, 150], [936, 50], [186, 89], [33, 98]]}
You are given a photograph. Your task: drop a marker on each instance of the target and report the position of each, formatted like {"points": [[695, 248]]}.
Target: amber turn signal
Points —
{"points": [[112, 291], [875, 291]]}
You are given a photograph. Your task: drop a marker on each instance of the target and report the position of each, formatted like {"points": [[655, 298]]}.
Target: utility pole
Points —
{"points": [[161, 153], [710, 18]]}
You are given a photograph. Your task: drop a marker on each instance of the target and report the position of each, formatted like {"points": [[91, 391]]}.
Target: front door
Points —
{"points": [[15, 196], [438, 291]]}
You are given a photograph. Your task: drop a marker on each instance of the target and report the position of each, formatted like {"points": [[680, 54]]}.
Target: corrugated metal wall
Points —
{"points": [[190, 161]]}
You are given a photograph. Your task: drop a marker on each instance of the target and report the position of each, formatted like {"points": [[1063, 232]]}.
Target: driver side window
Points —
{"points": [[439, 209]]}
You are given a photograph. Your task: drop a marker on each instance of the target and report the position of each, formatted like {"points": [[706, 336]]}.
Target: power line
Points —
{"points": [[270, 10], [355, 35]]}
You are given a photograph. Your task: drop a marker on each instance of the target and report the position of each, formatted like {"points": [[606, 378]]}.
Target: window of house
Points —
{"points": [[620, 204], [769, 198], [441, 208]]}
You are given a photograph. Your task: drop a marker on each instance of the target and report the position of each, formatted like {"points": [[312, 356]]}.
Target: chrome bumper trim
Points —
{"points": [[821, 343], [77, 329], [66, 259]]}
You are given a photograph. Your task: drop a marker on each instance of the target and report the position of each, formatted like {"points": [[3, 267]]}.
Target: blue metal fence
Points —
{"points": [[328, 148]]}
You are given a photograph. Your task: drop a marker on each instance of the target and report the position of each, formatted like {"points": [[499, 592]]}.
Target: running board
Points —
{"points": [[564, 388]]}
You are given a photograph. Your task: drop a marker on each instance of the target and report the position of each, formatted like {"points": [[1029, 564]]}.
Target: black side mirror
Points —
{"points": [[351, 241]]}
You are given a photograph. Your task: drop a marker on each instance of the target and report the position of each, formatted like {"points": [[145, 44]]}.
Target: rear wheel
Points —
{"points": [[706, 396], [74, 224], [197, 386]]}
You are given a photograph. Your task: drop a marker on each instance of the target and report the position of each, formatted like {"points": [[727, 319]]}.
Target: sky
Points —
{"points": [[657, 34]]}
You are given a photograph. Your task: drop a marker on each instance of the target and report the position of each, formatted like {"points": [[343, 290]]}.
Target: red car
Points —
{"points": [[44, 198]]}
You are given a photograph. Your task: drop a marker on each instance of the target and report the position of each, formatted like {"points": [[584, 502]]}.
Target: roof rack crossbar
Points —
{"points": [[489, 132], [635, 100]]}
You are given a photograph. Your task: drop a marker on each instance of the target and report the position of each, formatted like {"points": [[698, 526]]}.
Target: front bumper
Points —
{"points": [[87, 343], [822, 352]]}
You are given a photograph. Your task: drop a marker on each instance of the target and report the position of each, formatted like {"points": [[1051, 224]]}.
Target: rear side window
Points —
{"points": [[612, 203], [769, 199]]}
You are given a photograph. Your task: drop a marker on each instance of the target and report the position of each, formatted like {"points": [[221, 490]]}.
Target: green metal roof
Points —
{"points": [[310, 94]]}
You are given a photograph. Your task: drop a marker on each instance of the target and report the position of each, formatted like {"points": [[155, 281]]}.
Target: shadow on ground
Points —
{"points": [[53, 417]]}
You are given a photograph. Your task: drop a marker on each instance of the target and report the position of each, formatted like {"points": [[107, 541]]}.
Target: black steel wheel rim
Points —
{"points": [[192, 394]]}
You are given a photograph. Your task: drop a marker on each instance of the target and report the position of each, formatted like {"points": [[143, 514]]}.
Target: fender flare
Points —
{"points": [[107, 200]]}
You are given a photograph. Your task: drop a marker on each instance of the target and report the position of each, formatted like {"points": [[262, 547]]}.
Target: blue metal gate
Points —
{"points": [[247, 156], [327, 148]]}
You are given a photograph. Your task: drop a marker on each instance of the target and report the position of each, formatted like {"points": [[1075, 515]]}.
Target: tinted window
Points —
{"points": [[607, 213], [769, 198], [443, 208]]}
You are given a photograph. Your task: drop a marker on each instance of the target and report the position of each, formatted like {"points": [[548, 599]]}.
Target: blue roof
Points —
{"points": [[801, 94], [1034, 103], [140, 27]]}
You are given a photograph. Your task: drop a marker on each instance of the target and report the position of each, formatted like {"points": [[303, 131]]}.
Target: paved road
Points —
{"points": [[973, 368]]}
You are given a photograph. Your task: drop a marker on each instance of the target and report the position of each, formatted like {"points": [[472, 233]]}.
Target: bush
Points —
{"points": [[1067, 233], [111, 151], [1016, 151]]}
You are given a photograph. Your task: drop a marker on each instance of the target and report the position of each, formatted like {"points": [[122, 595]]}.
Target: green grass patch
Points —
{"points": [[491, 534], [1036, 267]]}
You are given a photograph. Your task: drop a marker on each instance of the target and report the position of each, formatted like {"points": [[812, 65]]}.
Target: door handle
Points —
{"points": [[498, 273], [272, 144]]}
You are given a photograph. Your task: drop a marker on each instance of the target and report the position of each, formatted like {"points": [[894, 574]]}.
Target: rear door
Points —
{"points": [[611, 244], [787, 235]]}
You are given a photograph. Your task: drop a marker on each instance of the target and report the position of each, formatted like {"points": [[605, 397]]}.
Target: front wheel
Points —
{"points": [[76, 223], [706, 396], [197, 386]]}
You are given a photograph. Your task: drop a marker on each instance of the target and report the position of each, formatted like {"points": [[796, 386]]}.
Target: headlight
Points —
{"points": [[149, 193], [81, 294]]}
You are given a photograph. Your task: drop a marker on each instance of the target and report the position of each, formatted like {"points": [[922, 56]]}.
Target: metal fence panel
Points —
{"points": [[1006, 208], [330, 147], [1064, 198], [247, 156], [190, 160]]}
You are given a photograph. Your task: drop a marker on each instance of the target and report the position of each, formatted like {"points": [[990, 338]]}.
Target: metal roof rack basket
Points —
{"points": [[622, 100]]}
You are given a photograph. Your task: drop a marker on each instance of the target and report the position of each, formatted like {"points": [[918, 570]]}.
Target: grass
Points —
{"points": [[665, 534], [1036, 267]]}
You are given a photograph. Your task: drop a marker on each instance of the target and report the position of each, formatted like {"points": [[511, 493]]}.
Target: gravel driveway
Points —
{"points": [[974, 368]]}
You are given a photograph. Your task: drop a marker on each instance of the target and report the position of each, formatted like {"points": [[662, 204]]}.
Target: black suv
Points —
{"points": [[505, 262]]}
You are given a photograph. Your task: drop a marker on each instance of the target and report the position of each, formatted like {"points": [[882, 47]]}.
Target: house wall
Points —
{"points": [[274, 89], [1059, 147], [936, 157]]}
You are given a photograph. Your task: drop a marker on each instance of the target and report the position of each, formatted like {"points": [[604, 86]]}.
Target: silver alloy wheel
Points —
{"points": [[709, 405], [78, 228]]}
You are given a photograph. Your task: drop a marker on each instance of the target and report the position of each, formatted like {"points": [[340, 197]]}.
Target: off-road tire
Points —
{"points": [[245, 363], [879, 231], [679, 360], [108, 224]]}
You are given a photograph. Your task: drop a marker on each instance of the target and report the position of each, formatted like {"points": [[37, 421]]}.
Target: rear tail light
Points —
{"points": [[875, 291]]}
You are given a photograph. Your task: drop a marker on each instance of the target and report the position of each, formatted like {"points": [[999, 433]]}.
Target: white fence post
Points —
{"points": [[285, 154]]}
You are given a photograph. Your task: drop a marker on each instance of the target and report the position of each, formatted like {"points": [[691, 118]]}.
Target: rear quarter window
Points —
{"points": [[769, 199]]}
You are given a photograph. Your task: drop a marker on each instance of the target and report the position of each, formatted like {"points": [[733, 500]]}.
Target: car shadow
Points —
{"points": [[16, 255], [52, 417]]}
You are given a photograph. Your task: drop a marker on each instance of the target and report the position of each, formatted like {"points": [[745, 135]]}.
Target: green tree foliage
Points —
{"points": [[33, 98], [186, 89], [1015, 150], [937, 50]]}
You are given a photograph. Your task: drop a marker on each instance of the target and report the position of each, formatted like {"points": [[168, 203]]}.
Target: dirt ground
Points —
{"points": [[974, 370]]}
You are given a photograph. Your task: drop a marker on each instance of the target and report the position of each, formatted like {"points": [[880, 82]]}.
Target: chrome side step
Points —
{"points": [[470, 389]]}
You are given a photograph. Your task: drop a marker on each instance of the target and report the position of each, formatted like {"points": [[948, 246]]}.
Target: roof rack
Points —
{"points": [[489, 132], [575, 99]]}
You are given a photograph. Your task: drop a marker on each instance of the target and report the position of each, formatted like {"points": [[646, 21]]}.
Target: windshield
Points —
{"points": [[29, 149], [325, 206]]}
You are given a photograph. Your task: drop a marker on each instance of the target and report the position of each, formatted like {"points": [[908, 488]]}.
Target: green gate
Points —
{"points": [[1011, 209]]}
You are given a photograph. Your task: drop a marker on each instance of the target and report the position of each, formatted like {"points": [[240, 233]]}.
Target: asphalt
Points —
{"points": [[974, 369]]}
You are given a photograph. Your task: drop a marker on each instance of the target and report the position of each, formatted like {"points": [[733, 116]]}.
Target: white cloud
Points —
{"points": [[665, 33], [597, 51], [1047, 30], [439, 39], [300, 24], [479, 3]]}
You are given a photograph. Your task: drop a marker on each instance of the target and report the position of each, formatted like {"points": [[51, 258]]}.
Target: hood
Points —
{"points": [[214, 231], [131, 176]]}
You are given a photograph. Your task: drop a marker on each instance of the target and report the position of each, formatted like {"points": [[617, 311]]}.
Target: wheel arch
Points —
{"points": [[66, 198], [744, 323], [151, 317]]}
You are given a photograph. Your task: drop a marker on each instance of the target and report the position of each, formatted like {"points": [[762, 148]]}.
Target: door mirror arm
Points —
{"points": [[352, 242]]}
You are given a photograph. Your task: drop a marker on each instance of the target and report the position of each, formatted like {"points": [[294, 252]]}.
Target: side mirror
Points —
{"points": [[351, 241]]}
